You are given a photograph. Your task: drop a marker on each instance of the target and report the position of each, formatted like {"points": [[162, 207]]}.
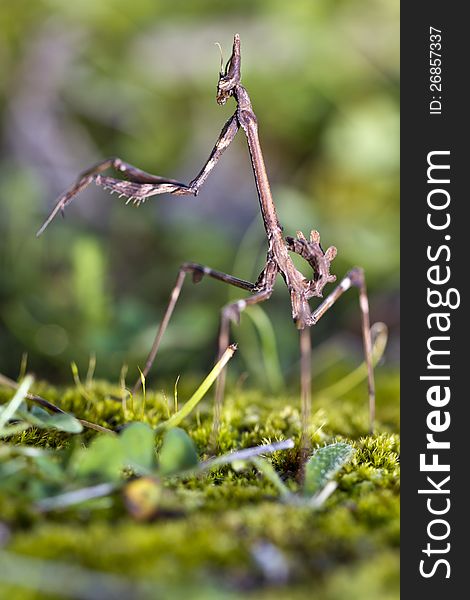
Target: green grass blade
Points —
{"points": [[343, 386], [9, 410], [201, 391], [269, 351], [61, 422], [271, 475], [78, 382]]}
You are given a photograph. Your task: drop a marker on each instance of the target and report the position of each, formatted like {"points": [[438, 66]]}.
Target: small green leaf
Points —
{"points": [[50, 468], [104, 458], [323, 466], [178, 452], [39, 417], [38, 411], [138, 442], [63, 422]]}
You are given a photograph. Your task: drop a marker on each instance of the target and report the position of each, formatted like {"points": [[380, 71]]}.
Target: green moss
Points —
{"points": [[205, 537], [220, 545]]}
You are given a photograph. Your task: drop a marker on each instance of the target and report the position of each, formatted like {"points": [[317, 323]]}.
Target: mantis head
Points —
{"points": [[229, 79]]}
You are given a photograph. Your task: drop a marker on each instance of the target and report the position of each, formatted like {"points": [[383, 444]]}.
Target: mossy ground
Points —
{"points": [[221, 534]]}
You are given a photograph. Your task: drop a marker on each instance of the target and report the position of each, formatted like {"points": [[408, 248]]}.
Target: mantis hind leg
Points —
{"points": [[198, 271]]}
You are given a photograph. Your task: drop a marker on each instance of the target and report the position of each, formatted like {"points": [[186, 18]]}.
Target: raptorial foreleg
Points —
{"points": [[139, 185]]}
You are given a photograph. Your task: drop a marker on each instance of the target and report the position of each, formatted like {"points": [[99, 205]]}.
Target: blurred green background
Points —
{"points": [[84, 80]]}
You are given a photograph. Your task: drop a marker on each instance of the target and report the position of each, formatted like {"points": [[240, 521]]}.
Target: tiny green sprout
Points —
{"points": [[80, 387], [144, 392]]}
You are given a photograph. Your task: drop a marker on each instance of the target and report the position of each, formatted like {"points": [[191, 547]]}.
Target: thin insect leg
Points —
{"points": [[225, 138], [305, 386], [163, 325], [83, 181], [198, 272], [139, 190], [133, 173], [356, 278], [140, 184], [231, 312], [93, 173], [367, 342]]}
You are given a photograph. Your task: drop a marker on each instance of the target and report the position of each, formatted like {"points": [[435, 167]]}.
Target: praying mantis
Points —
{"points": [[139, 185]]}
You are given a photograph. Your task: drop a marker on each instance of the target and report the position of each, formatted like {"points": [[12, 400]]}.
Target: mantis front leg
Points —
{"points": [[93, 174], [139, 184]]}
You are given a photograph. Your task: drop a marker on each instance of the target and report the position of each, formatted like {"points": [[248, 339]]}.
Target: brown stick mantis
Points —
{"points": [[140, 185]]}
